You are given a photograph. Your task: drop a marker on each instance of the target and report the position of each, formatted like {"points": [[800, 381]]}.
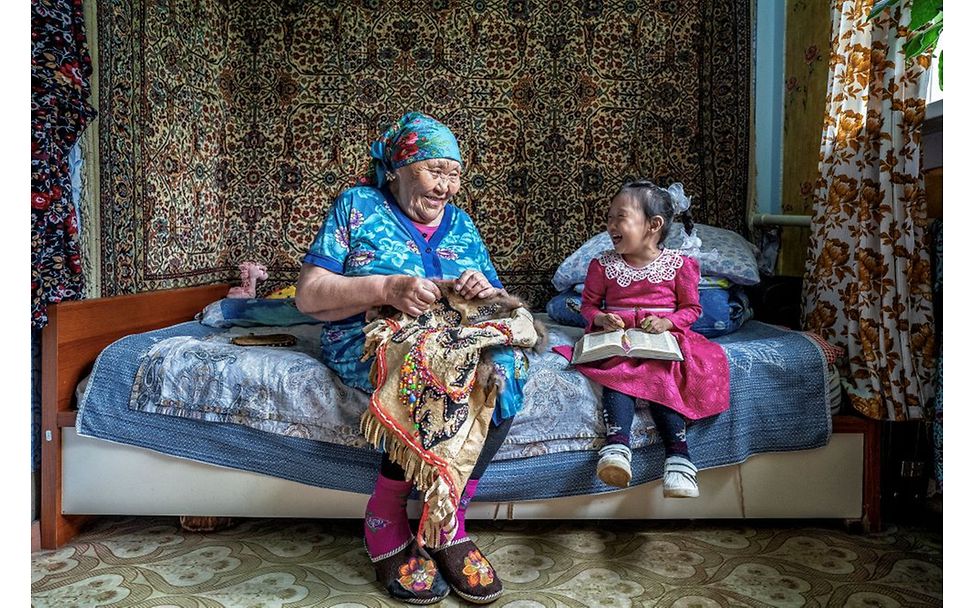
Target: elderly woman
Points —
{"points": [[380, 244]]}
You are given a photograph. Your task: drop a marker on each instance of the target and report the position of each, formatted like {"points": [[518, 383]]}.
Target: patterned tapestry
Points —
{"points": [[227, 128]]}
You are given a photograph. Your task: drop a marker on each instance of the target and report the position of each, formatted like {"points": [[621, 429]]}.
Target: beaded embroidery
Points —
{"points": [[420, 389], [663, 268]]}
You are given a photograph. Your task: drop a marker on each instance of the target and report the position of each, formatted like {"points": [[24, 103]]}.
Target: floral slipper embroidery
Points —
{"points": [[417, 574], [477, 569], [464, 567]]}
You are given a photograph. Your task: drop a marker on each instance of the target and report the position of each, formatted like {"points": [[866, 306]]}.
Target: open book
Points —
{"points": [[629, 343]]}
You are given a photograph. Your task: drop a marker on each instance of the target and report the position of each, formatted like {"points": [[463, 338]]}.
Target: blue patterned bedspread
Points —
{"points": [[187, 392]]}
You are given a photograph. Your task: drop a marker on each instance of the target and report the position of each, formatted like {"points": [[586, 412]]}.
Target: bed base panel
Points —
{"points": [[104, 478]]}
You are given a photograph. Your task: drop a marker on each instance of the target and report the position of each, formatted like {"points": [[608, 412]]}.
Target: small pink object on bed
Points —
{"points": [[250, 273]]}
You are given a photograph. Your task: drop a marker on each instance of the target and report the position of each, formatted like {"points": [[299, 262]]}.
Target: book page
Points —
{"points": [[602, 340], [647, 341], [592, 347]]}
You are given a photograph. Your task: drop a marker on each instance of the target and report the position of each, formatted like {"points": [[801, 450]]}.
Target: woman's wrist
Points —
{"points": [[385, 288]]}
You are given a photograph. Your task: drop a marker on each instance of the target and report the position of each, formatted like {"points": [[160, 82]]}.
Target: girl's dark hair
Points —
{"points": [[654, 200]]}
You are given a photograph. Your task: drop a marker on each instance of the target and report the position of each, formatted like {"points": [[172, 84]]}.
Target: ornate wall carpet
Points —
{"points": [[228, 127]]}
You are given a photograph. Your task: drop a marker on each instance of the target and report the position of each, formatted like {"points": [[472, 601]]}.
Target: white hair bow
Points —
{"points": [[681, 202], [690, 244]]}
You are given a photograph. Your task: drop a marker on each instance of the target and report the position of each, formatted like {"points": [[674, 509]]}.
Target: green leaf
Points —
{"points": [[919, 43], [880, 6], [940, 70], [924, 11]]}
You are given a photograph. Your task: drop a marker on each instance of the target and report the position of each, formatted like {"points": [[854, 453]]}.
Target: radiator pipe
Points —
{"points": [[769, 219]]}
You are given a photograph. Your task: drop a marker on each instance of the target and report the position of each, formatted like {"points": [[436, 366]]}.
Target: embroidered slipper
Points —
{"points": [[410, 575], [468, 572]]}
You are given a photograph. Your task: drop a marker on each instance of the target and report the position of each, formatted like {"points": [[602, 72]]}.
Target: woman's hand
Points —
{"points": [[656, 325], [609, 321], [411, 295], [473, 284]]}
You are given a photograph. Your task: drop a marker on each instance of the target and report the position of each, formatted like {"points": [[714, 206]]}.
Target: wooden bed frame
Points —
{"points": [[78, 331]]}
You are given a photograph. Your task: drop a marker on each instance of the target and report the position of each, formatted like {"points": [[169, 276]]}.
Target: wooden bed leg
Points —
{"points": [[56, 529], [871, 507], [871, 521]]}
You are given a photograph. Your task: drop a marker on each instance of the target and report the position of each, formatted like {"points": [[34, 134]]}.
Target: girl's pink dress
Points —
{"points": [[697, 387]]}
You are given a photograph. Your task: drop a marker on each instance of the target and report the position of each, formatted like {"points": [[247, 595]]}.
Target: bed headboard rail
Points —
{"points": [[76, 333]]}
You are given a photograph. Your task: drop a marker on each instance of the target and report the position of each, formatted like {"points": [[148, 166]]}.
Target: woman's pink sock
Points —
{"points": [[386, 525], [465, 498]]}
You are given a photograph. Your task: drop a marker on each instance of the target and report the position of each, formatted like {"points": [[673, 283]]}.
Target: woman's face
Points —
{"points": [[423, 188]]}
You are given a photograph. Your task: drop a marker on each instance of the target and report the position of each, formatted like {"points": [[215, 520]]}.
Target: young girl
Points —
{"points": [[639, 283]]}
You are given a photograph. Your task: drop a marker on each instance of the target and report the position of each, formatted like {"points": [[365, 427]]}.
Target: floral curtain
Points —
{"points": [[60, 70], [868, 276]]}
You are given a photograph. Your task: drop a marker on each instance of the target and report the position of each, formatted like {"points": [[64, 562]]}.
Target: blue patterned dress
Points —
{"points": [[367, 233]]}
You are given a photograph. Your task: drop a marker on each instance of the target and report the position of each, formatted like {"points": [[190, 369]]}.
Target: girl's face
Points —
{"points": [[631, 231], [423, 188]]}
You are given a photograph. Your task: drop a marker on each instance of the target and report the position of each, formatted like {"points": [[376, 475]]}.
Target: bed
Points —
{"points": [[780, 452]]}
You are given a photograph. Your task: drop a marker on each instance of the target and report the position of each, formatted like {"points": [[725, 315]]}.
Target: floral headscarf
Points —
{"points": [[412, 138]]}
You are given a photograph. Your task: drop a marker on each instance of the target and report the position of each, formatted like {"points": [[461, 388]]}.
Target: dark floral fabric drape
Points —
{"points": [[60, 71], [868, 277]]}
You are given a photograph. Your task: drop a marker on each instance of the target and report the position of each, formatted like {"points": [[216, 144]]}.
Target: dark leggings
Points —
{"points": [[496, 433], [618, 410]]}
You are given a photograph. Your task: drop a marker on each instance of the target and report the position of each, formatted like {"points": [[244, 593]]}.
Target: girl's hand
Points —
{"points": [[656, 325], [411, 295], [473, 284], [609, 321]]}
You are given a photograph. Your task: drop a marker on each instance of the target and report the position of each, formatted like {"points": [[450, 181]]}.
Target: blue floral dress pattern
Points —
{"points": [[366, 233]]}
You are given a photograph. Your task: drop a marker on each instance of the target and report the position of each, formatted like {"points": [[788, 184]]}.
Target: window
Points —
{"points": [[934, 93]]}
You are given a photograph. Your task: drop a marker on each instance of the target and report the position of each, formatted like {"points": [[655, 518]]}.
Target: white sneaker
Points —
{"points": [[614, 468], [679, 478]]}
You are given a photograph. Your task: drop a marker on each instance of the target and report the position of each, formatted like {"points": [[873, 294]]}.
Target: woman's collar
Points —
{"points": [[410, 228]]}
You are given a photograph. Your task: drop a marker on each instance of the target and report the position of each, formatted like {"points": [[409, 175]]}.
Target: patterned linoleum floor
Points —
{"points": [[296, 563]]}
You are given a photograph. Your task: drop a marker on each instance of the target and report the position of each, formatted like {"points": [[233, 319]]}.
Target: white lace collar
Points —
{"points": [[663, 268]]}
